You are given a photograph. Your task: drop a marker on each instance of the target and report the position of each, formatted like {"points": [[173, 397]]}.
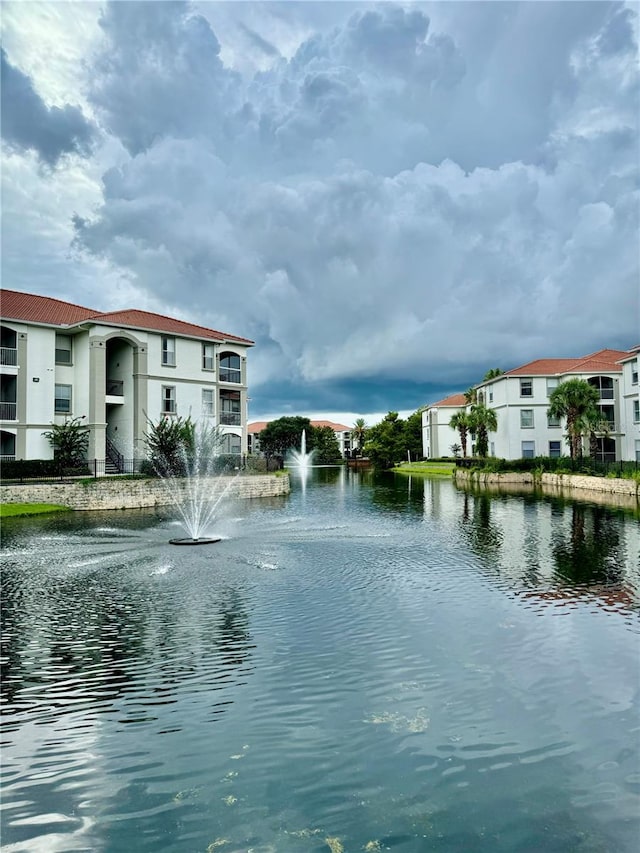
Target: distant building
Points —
{"points": [[341, 432], [116, 369], [520, 398], [437, 436]]}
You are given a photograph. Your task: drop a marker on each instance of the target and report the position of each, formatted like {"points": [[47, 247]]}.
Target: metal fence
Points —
{"points": [[46, 471]]}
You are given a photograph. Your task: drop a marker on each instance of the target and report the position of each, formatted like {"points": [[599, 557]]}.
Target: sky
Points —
{"points": [[389, 199]]}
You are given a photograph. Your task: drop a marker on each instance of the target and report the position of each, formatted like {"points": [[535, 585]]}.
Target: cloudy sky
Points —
{"points": [[388, 198]]}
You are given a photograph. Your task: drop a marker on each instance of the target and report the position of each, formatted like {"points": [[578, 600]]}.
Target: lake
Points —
{"points": [[371, 663]]}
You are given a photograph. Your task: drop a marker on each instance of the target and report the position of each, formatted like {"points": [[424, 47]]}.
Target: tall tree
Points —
{"points": [[471, 396], [326, 450], [575, 400], [482, 422], [283, 434], [461, 422], [413, 435], [491, 374], [359, 434], [386, 442]]}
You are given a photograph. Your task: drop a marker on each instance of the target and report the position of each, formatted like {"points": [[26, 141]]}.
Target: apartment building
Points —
{"points": [[115, 369], [437, 436], [520, 398], [630, 404]]}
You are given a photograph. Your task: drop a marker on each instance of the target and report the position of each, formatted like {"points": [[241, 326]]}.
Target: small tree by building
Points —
{"points": [[69, 440], [576, 401]]}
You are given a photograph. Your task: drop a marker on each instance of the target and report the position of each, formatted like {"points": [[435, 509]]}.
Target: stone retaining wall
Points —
{"points": [[561, 482], [114, 493]]}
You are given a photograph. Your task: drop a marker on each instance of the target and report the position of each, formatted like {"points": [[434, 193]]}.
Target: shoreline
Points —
{"points": [[601, 490]]}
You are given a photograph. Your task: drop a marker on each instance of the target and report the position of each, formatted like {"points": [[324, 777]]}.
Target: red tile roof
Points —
{"points": [[256, 427], [334, 426], [605, 361], [157, 322], [454, 400], [41, 309], [28, 307]]}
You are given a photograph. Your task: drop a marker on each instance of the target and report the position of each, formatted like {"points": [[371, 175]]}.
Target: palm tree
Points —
{"points": [[461, 422], [359, 434], [471, 396], [594, 426], [492, 374], [574, 400], [483, 421]]}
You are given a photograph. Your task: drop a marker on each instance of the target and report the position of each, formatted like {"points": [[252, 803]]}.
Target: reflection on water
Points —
{"points": [[369, 664]]}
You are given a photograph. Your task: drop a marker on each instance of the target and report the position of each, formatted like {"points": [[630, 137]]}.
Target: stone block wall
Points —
{"points": [[560, 482], [114, 493]]}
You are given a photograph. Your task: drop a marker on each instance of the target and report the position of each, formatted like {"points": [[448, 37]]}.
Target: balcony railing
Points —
{"points": [[115, 388], [8, 411], [230, 375], [230, 418], [8, 356]]}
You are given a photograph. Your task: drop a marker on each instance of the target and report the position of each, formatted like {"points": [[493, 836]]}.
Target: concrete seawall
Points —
{"points": [[115, 493], [555, 483]]}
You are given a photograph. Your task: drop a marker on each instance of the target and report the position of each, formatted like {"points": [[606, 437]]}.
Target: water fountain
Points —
{"points": [[301, 458], [192, 481]]}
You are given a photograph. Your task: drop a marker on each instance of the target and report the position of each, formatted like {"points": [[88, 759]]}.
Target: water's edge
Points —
{"points": [[614, 492], [107, 493]]}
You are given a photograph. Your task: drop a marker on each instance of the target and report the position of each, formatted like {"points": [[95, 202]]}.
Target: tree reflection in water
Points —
{"points": [[590, 553]]}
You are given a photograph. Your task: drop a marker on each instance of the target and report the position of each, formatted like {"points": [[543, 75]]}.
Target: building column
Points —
{"points": [[140, 401], [97, 406], [21, 397]]}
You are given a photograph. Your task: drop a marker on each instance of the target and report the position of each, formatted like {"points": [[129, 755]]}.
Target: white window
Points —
{"points": [[63, 349], [555, 449], [634, 374], [526, 418], [63, 399], [231, 443], [493, 448], [230, 367], [168, 400], [552, 383], [208, 357], [208, 402], [636, 411], [168, 351], [528, 449], [637, 449], [553, 422], [491, 395], [526, 387]]}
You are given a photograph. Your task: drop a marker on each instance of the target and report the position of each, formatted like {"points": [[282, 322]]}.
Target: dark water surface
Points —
{"points": [[364, 665]]}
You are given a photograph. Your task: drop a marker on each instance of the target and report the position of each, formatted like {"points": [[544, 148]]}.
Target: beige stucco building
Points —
{"points": [[117, 370]]}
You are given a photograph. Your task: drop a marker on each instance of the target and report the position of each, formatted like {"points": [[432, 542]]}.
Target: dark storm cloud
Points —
{"points": [[29, 124]]}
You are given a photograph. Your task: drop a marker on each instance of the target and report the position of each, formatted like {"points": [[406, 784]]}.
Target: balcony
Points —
{"points": [[230, 418], [8, 357], [115, 388], [8, 411], [114, 391]]}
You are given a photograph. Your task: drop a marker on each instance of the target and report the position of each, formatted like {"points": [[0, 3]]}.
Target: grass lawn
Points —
{"points": [[8, 510], [426, 469]]}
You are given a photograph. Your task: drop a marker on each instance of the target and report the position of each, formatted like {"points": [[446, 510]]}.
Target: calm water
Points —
{"points": [[364, 665]]}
